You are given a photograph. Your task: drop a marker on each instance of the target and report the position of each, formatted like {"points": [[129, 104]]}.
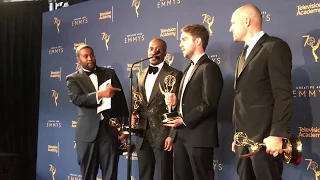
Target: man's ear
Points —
{"points": [[198, 41]]}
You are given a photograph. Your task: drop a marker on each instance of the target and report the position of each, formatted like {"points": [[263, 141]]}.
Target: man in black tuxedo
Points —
{"points": [[198, 99], [154, 147], [263, 94], [97, 141]]}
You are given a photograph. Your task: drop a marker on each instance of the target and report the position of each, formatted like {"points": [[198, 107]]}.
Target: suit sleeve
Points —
{"points": [[279, 67], [211, 90], [119, 103], [77, 96], [173, 131]]}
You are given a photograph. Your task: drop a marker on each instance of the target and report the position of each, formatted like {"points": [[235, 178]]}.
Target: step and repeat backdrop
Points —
{"points": [[120, 31]]}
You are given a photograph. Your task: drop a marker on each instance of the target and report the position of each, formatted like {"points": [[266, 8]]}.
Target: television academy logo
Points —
{"points": [[106, 15]]}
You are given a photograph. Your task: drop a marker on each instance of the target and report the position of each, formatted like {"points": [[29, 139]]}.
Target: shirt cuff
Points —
{"points": [[183, 123], [98, 100]]}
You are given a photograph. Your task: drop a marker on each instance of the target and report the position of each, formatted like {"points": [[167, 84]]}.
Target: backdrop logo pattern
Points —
{"points": [[75, 45], [74, 124], [166, 3], [306, 91], [106, 38], [169, 59], [311, 41], [308, 9], [74, 177], [56, 50], [215, 58], [266, 16], [80, 21], [53, 171], [136, 67], [55, 96], [133, 157], [78, 65], [106, 15], [309, 132], [56, 74], [57, 22], [138, 37], [54, 124], [314, 167], [172, 31], [209, 20], [136, 5], [217, 165], [54, 148]]}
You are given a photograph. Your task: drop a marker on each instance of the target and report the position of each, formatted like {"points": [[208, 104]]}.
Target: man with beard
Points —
{"points": [[97, 141], [197, 101]]}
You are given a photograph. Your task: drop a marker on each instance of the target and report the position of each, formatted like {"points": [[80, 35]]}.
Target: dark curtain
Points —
{"points": [[20, 56]]}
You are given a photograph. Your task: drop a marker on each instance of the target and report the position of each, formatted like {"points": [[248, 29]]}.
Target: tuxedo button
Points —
{"points": [[236, 91]]}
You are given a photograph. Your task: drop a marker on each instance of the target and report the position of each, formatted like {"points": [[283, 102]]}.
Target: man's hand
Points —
{"points": [[122, 137], [107, 91], [273, 145], [170, 99], [233, 146], [175, 123], [168, 144], [134, 119]]}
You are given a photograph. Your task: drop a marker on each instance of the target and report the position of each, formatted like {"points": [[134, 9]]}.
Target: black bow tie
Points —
{"points": [[153, 69], [91, 72], [191, 62]]}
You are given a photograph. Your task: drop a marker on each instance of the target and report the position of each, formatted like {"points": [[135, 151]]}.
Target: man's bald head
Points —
{"points": [[246, 21], [252, 12]]}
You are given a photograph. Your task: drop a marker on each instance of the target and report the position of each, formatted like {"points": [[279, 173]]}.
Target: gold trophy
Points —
{"points": [[169, 82], [114, 122], [292, 147], [137, 99]]}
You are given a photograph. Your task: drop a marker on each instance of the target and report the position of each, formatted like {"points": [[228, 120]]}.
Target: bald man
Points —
{"points": [[263, 94]]}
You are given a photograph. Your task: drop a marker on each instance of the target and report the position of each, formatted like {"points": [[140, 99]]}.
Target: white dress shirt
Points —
{"points": [[151, 79], [94, 79], [253, 42]]}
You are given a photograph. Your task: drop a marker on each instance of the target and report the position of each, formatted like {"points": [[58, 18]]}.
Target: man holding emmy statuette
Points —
{"points": [[263, 98], [197, 102], [96, 91], [154, 147]]}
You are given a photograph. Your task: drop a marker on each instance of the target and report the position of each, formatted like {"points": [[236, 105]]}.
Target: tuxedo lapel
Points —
{"points": [[100, 76], [252, 54], [182, 81], [236, 73], [85, 78], [141, 83]]}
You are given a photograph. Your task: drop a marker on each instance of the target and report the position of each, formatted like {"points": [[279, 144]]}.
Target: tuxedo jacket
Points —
{"points": [[83, 94], [151, 111], [263, 90], [200, 104]]}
